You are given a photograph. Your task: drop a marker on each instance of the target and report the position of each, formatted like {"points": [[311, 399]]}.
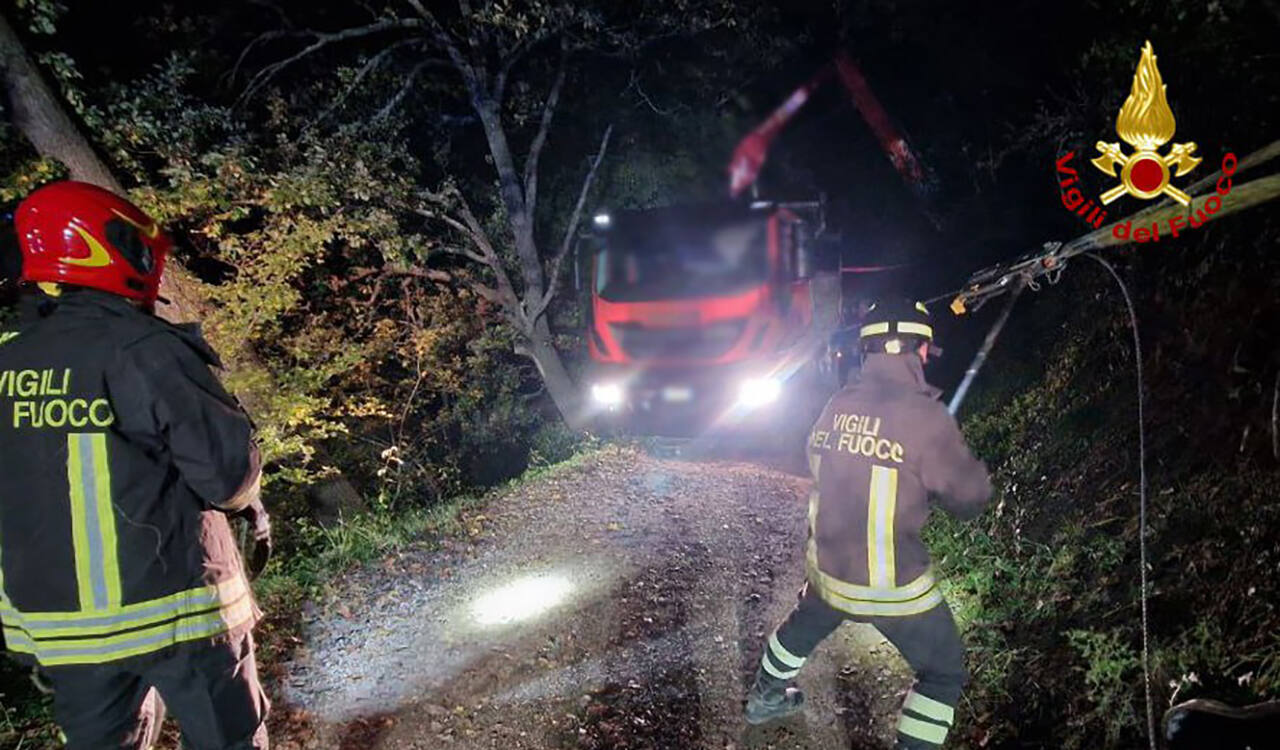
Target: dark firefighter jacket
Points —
{"points": [[882, 447], [117, 446]]}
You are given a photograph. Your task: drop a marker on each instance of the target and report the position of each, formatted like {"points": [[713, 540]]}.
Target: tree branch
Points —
{"points": [[405, 87], [540, 140], [469, 227], [371, 65], [465, 253], [443, 37], [509, 60], [322, 40], [571, 230], [396, 269], [260, 39], [479, 240]]}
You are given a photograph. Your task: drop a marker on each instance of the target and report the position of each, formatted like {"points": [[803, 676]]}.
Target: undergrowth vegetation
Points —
{"points": [[1046, 584]]}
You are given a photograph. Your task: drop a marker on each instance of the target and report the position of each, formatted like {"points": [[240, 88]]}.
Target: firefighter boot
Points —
{"points": [[769, 700]]}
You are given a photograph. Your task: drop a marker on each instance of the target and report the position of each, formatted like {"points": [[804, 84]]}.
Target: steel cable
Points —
{"points": [[1142, 499]]}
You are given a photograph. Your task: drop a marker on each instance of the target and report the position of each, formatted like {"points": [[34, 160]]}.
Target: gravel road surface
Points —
{"points": [[620, 603]]}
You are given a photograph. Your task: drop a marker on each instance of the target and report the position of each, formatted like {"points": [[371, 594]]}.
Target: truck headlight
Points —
{"points": [[759, 392], [607, 394]]}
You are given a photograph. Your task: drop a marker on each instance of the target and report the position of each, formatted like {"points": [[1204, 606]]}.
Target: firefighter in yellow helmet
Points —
{"points": [[121, 458], [883, 451]]}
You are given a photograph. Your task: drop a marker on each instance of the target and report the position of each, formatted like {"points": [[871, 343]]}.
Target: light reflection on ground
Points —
{"points": [[520, 600]]}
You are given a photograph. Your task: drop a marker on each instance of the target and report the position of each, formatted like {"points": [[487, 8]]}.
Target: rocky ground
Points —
{"points": [[621, 603]]}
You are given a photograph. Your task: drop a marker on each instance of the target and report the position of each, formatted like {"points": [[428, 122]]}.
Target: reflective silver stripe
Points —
{"points": [[93, 520], [880, 535], [781, 653]]}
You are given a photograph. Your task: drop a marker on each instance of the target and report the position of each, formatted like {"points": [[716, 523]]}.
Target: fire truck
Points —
{"points": [[716, 317], [708, 317]]}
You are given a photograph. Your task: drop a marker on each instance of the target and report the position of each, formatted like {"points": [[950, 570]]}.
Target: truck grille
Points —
{"points": [[708, 342]]}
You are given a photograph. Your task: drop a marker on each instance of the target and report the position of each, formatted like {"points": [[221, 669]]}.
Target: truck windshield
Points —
{"points": [[660, 260]]}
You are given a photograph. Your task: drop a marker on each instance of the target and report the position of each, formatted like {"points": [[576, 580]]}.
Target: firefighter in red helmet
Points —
{"points": [[121, 459]]}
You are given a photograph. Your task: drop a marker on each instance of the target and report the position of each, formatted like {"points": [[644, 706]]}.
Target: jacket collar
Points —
{"points": [[35, 307], [897, 370], [36, 304]]}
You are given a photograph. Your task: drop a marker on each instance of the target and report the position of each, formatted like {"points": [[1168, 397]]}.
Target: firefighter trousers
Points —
{"points": [[211, 687], [928, 641]]}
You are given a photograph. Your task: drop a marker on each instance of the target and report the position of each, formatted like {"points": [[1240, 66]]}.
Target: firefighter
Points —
{"points": [[121, 459], [883, 447]]}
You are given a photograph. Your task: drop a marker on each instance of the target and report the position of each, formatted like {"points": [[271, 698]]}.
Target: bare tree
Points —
{"points": [[481, 44]]}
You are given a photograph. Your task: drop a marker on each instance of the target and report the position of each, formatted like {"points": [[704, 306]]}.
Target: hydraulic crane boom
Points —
{"points": [[753, 149]]}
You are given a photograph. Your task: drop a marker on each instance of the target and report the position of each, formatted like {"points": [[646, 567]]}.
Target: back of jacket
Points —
{"points": [[115, 443], [882, 447]]}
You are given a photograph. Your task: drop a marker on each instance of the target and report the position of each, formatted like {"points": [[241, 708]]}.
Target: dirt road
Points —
{"points": [[620, 603]]}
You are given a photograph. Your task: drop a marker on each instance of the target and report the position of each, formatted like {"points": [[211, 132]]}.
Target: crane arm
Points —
{"points": [[753, 149]]}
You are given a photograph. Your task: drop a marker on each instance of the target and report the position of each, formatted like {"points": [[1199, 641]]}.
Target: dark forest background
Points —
{"points": [[367, 245]]}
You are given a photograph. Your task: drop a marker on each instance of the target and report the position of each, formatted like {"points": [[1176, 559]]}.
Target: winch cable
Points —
{"points": [[1015, 276], [1142, 497], [1017, 285]]}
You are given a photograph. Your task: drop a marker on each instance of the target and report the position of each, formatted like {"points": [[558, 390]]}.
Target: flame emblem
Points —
{"points": [[1146, 123]]}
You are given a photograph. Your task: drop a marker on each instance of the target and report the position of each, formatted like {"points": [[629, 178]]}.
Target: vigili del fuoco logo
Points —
{"points": [[1146, 124]]}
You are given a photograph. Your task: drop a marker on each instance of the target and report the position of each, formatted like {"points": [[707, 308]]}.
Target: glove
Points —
{"points": [[255, 514]]}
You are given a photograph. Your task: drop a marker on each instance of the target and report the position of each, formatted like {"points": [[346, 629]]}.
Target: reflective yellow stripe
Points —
{"points": [[913, 590], [780, 674], [883, 497], [920, 306], [920, 595], [874, 329], [916, 328], [94, 624], [922, 730], [107, 521], [781, 653], [890, 516], [134, 643], [7, 336], [924, 603], [929, 708]]}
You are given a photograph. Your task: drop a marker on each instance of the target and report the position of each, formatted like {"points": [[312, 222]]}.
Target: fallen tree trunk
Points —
{"points": [[1241, 197], [999, 279], [41, 118]]}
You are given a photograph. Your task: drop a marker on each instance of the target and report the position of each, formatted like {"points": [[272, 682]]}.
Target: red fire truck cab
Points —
{"points": [[702, 317]]}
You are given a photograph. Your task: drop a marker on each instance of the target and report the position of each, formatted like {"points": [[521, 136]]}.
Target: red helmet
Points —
{"points": [[77, 233]]}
